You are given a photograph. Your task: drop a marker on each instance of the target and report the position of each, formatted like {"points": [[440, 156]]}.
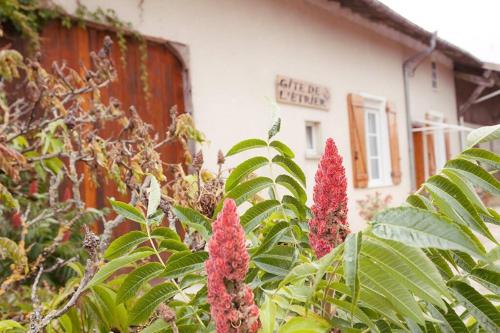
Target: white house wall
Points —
{"points": [[424, 98], [237, 48]]}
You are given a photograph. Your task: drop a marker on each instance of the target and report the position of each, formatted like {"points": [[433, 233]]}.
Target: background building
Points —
{"points": [[399, 99]]}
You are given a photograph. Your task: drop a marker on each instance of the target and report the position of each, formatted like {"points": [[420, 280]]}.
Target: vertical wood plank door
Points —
{"points": [[419, 158], [74, 44]]}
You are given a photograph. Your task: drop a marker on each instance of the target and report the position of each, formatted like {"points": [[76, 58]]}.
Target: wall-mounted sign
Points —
{"points": [[298, 92]]}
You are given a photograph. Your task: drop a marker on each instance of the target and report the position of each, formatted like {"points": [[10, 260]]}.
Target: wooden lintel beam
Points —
{"points": [[496, 78], [475, 95], [476, 79], [487, 97]]}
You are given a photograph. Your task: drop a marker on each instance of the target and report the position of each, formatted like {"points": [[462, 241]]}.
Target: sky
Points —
{"points": [[473, 25]]}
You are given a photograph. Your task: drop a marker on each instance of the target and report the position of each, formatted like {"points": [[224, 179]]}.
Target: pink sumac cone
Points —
{"points": [[231, 300], [328, 228]]}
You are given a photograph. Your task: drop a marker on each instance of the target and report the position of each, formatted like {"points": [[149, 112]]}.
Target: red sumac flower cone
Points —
{"points": [[231, 300]]}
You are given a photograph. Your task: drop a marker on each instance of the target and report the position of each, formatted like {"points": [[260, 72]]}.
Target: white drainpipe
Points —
{"points": [[409, 67]]}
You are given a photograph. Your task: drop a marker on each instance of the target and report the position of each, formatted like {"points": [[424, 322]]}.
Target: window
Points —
{"points": [[434, 75], [312, 138], [374, 141], [377, 142]]}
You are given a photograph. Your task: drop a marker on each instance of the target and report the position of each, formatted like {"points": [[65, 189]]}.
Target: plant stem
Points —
{"points": [[153, 245], [324, 309], [187, 297], [173, 281], [275, 191]]}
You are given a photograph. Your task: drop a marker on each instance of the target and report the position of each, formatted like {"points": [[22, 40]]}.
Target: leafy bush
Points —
{"points": [[420, 267], [373, 204], [50, 142]]}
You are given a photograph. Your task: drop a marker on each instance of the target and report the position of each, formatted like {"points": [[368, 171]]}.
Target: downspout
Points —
{"points": [[409, 67]]}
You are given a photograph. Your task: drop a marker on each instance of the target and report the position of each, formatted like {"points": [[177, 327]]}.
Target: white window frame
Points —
{"points": [[439, 139], [377, 105], [315, 151]]}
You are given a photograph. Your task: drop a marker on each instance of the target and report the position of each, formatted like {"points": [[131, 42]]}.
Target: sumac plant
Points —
{"points": [[252, 257]]}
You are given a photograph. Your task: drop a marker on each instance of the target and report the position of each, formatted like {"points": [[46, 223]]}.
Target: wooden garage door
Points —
{"points": [[165, 86]]}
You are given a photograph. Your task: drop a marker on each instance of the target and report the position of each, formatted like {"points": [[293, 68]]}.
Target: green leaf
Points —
{"points": [[6, 325], [245, 145], [377, 278], [194, 220], [293, 186], [325, 263], [295, 206], [282, 148], [450, 322], [7, 199], [267, 315], [189, 280], [436, 257], [451, 216], [156, 218], [96, 312], [272, 237], [185, 328], [475, 174], [244, 169], [173, 245], [327, 260], [182, 263], [492, 216], [467, 189], [300, 272], [352, 247], [159, 325], [127, 211], [478, 306], [482, 155], [145, 305], [125, 243], [309, 324], [291, 167], [431, 327], [405, 273], [278, 261], [420, 228], [154, 196], [257, 213], [371, 299], [109, 268], [494, 254], [165, 233], [483, 134], [356, 312], [383, 326], [274, 129], [54, 164], [488, 278], [418, 201], [450, 194], [246, 190], [422, 268], [414, 327], [12, 250], [115, 313], [463, 260], [136, 279]]}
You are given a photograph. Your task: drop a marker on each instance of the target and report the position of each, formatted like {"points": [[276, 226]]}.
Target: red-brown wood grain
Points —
{"points": [[165, 85]]}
